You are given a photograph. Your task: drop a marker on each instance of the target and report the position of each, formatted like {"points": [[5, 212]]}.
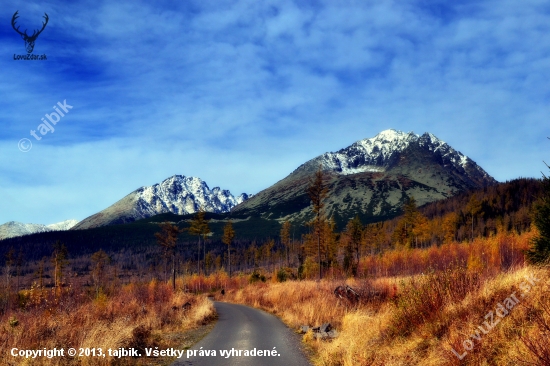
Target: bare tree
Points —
{"points": [[228, 235], [167, 239], [10, 259], [100, 259], [60, 259], [199, 227]]}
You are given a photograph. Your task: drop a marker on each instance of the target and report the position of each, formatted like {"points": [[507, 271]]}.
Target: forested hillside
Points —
{"points": [[134, 251]]}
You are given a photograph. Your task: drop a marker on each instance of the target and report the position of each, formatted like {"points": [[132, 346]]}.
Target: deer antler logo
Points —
{"points": [[29, 40]]}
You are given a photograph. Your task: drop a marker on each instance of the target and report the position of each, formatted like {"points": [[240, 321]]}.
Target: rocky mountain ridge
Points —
{"points": [[373, 178], [178, 194], [13, 229]]}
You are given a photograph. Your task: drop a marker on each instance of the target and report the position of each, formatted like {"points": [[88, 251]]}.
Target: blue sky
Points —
{"points": [[240, 93]]}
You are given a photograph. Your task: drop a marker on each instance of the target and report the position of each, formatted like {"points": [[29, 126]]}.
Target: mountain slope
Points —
{"points": [[13, 229], [505, 206], [178, 194], [372, 178]]}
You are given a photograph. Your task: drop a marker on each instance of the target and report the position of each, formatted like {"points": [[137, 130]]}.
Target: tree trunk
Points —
{"points": [[174, 272], [199, 258], [319, 252]]}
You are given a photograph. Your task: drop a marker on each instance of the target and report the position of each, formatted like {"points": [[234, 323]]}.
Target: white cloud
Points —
{"points": [[240, 93]]}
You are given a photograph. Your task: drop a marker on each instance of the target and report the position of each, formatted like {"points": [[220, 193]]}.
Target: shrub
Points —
{"points": [[13, 322], [140, 339], [256, 276], [284, 274], [422, 299]]}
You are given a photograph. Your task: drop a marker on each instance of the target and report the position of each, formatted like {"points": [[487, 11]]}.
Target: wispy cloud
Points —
{"points": [[240, 93]]}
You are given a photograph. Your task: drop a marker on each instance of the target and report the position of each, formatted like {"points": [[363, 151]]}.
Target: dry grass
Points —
{"points": [[494, 254], [313, 303], [136, 316], [430, 315], [416, 318]]}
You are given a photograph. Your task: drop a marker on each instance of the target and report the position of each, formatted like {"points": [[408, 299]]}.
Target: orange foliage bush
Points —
{"points": [[500, 252]]}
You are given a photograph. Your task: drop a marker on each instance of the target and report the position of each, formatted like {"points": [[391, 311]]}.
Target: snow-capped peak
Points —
{"points": [[391, 135], [386, 142], [13, 228], [177, 194], [63, 225], [183, 195], [375, 154]]}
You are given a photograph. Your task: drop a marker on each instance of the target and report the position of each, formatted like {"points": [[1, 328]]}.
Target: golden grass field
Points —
{"points": [[137, 316], [431, 315], [416, 318], [420, 319]]}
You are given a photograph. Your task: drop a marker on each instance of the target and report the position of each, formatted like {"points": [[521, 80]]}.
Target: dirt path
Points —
{"points": [[243, 328]]}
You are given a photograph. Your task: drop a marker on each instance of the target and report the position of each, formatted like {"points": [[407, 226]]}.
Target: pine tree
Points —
{"points": [[100, 259], [285, 240], [317, 192], [228, 235], [10, 259], [412, 227], [60, 259], [353, 233], [420, 230], [18, 265], [449, 226], [540, 250], [218, 263], [199, 227], [402, 232], [40, 273], [345, 240], [411, 211], [374, 237], [208, 261], [330, 243], [473, 208], [167, 240]]}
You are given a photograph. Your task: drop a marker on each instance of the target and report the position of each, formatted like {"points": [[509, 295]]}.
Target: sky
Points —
{"points": [[240, 93]]}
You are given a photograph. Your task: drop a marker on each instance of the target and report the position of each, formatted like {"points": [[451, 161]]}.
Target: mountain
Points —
{"points": [[12, 229], [372, 178], [63, 225], [505, 206], [178, 194]]}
